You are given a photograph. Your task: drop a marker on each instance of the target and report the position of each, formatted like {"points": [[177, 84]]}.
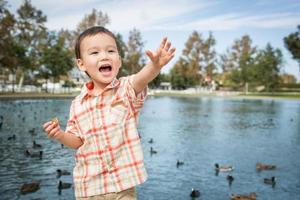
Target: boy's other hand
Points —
{"points": [[163, 54], [53, 130]]}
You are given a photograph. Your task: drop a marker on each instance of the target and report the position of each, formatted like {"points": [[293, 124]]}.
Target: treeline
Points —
{"points": [[31, 52]]}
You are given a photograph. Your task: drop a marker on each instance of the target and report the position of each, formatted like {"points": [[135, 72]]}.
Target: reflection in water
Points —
{"points": [[189, 135]]}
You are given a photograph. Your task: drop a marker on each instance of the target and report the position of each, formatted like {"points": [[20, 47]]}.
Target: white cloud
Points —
{"points": [[158, 15], [145, 15], [236, 21]]}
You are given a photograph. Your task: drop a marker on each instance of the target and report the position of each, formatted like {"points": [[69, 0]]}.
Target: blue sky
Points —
{"points": [[265, 21]]}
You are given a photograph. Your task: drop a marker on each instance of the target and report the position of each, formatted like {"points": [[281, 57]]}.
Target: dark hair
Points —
{"points": [[91, 32]]}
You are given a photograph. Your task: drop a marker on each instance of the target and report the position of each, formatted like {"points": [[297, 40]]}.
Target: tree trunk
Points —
{"points": [[46, 85], [21, 82], [13, 82]]}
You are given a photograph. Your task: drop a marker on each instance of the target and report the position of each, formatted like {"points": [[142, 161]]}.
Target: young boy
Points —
{"points": [[103, 118]]}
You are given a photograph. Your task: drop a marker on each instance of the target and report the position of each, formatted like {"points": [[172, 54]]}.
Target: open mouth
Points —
{"points": [[105, 68]]}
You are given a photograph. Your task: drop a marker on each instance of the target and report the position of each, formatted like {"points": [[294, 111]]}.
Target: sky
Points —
{"points": [[265, 21]]}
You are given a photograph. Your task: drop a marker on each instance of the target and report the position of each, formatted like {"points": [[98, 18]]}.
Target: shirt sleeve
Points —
{"points": [[137, 100], [71, 124]]}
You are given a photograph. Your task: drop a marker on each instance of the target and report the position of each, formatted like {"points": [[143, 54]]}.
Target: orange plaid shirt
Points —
{"points": [[111, 157]]}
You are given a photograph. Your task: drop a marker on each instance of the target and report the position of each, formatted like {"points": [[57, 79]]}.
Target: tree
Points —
{"points": [[134, 56], [155, 83], [238, 61], [267, 67], [95, 18], [179, 78], [57, 59], [11, 51], [30, 35], [292, 43], [122, 50], [187, 71], [209, 55]]}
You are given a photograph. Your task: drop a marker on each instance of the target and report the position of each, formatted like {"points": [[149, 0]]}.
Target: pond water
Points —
{"points": [[198, 131]]}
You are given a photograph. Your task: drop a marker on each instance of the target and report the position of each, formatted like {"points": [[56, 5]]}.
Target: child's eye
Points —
{"points": [[111, 51], [94, 52]]}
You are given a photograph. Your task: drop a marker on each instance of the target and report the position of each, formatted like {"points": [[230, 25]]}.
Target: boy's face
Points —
{"points": [[99, 58]]}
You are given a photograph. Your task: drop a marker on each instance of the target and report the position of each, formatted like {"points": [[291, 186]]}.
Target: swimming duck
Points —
{"points": [[1, 121], [152, 151], [150, 141], [270, 181], [260, 166], [225, 168], [30, 187], [32, 131], [36, 145], [62, 173], [229, 179], [195, 193], [179, 163], [13, 137], [251, 196], [34, 154], [62, 185]]}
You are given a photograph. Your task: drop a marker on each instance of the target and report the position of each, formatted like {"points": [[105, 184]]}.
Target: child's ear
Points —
{"points": [[80, 65]]}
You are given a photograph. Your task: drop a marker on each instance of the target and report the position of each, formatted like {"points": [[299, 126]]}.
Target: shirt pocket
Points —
{"points": [[118, 111]]}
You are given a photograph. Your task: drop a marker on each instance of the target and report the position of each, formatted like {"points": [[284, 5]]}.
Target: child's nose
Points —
{"points": [[103, 55]]}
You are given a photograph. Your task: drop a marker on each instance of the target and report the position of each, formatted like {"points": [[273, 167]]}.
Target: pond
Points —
{"points": [[197, 131]]}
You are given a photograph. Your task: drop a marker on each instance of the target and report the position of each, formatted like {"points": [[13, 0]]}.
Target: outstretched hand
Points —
{"points": [[163, 54]]}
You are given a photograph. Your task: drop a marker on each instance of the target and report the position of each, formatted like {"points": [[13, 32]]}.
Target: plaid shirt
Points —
{"points": [[111, 157]]}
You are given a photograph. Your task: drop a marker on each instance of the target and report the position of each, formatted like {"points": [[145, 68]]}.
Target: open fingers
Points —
{"points": [[172, 51], [150, 54], [163, 43], [167, 46]]}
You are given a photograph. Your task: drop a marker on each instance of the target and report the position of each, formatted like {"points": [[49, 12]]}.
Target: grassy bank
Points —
{"points": [[35, 95], [277, 95]]}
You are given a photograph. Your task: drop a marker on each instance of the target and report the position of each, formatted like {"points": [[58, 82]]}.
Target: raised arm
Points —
{"points": [[158, 59]]}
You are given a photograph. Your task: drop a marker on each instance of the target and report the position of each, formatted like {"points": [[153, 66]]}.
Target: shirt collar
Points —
{"points": [[86, 92]]}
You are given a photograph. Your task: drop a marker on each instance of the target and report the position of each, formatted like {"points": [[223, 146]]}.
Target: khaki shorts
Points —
{"points": [[123, 195]]}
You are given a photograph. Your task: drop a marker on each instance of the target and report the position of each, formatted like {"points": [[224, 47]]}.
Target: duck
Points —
{"points": [[195, 193], [270, 181], [13, 137], [32, 131], [152, 151], [260, 166], [30, 187], [34, 154], [223, 168], [62, 173], [251, 196], [150, 141], [179, 163], [1, 121], [230, 179], [62, 185], [36, 145]]}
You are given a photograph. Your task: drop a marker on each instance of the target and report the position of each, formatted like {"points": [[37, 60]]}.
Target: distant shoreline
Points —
{"points": [[4, 96], [226, 94], [292, 96]]}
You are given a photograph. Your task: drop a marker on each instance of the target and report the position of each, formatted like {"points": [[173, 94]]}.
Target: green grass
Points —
{"points": [[29, 95], [284, 95], [275, 95]]}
